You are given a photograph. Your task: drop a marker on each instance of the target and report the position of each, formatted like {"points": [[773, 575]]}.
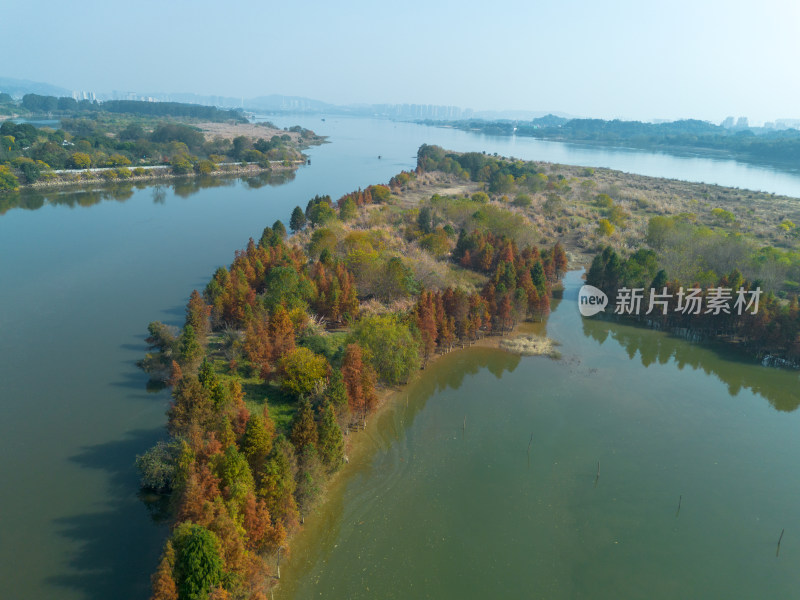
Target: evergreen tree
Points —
{"points": [[279, 229], [310, 478], [190, 349], [304, 428], [298, 219], [210, 382], [257, 441], [336, 392], [278, 484], [198, 563], [330, 439]]}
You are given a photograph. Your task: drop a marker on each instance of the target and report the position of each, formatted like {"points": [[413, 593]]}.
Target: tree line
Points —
{"points": [[29, 154], [774, 330], [776, 146]]}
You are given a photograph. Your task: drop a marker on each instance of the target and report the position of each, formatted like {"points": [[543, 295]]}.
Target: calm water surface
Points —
{"points": [[83, 272], [436, 510]]}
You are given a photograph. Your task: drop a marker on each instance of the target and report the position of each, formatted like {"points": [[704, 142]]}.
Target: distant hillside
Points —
{"points": [[20, 87]]}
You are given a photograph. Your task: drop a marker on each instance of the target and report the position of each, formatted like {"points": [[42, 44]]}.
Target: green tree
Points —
{"points": [[304, 428], [320, 213], [330, 439], [298, 220], [279, 229], [234, 473], [301, 370], [257, 440], [348, 209], [189, 348], [336, 392], [278, 483], [310, 477], [389, 346], [198, 563], [8, 181]]}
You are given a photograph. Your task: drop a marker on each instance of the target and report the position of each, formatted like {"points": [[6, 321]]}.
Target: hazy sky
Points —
{"points": [[631, 59]]}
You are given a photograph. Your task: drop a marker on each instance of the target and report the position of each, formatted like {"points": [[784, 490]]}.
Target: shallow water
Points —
{"points": [[629, 425]]}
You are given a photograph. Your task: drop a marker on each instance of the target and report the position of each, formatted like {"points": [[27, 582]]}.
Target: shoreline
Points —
{"points": [[162, 174]]}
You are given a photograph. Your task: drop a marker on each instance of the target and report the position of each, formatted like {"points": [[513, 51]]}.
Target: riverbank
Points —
{"points": [[154, 173], [121, 147]]}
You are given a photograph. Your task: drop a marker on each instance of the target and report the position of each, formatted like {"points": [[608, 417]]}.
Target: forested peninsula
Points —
{"points": [[290, 348], [128, 141]]}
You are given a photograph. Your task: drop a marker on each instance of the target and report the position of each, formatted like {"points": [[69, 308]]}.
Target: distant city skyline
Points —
{"points": [[621, 59]]}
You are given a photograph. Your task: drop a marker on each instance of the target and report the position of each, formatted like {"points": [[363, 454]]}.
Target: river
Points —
{"points": [[82, 272]]}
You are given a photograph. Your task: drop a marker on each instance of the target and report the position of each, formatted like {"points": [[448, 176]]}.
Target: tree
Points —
{"points": [[321, 213], [257, 345], [262, 535], [80, 160], [605, 228], [304, 428], [198, 563], [163, 579], [279, 229], [301, 369], [352, 369], [559, 259], [282, 333], [389, 346], [310, 477], [298, 220], [234, 474], [8, 181], [257, 440], [336, 392], [278, 483], [191, 406], [189, 348], [330, 440], [197, 315], [210, 382], [348, 209], [157, 466]]}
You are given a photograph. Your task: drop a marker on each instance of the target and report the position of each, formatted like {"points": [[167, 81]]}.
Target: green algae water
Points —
{"points": [[425, 512], [655, 471]]}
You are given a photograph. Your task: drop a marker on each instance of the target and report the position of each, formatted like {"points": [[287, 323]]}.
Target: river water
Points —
{"points": [[426, 512]]}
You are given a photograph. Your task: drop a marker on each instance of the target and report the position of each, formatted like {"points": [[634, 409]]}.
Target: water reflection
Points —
{"points": [[781, 387], [34, 199], [104, 567]]}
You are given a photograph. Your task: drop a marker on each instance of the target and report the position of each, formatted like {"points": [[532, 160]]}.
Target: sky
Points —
{"points": [[671, 59]]}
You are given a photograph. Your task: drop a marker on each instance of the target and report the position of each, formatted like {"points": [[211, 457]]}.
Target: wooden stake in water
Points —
{"points": [[680, 499], [778, 551], [597, 477], [529, 450]]}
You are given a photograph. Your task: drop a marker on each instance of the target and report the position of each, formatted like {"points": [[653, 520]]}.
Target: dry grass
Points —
{"points": [[530, 345]]}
